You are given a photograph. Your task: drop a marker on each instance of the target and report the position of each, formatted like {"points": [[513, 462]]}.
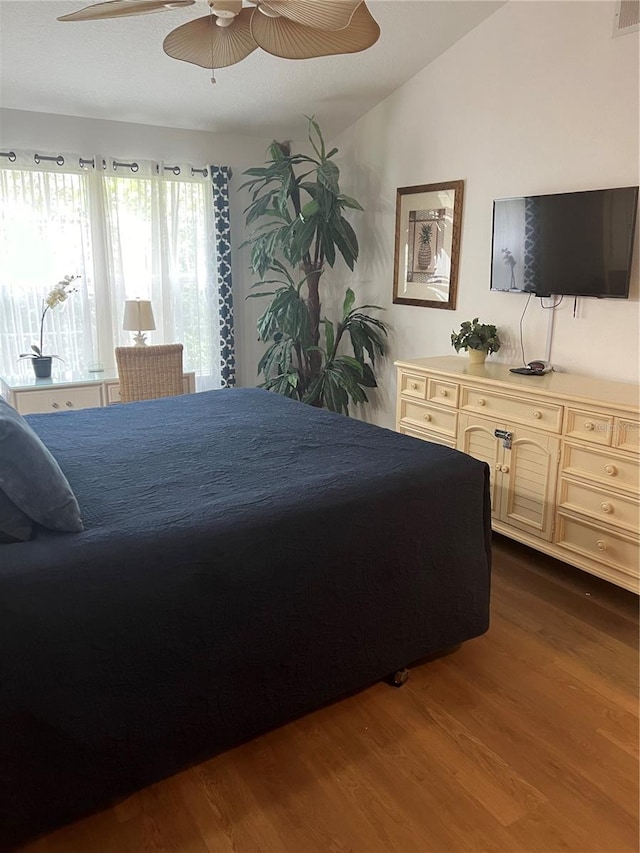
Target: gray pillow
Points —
{"points": [[15, 526], [31, 477]]}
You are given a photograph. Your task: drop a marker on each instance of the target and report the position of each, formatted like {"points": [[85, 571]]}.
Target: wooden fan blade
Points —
{"points": [[204, 43], [124, 8], [319, 14], [284, 38]]}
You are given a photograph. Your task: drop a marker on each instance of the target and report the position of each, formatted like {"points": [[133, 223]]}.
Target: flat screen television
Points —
{"points": [[574, 244]]}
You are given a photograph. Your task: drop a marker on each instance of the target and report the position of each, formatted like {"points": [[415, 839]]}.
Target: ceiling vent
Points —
{"points": [[627, 17]]}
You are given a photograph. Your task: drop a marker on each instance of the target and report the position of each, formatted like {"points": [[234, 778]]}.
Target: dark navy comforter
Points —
{"points": [[245, 560]]}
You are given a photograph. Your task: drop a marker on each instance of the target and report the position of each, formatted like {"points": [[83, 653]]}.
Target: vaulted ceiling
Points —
{"points": [[116, 69]]}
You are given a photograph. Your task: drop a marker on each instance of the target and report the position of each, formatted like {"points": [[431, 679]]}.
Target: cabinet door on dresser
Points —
{"points": [[476, 438], [529, 475], [523, 478]]}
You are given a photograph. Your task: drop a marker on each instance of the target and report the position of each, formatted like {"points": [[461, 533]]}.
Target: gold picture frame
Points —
{"points": [[427, 247]]}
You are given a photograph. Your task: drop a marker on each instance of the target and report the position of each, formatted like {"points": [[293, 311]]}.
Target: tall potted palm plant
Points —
{"points": [[299, 228]]}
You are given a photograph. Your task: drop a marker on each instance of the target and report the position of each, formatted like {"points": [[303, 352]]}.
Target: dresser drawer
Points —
{"points": [[626, 434], [428, 436], [427, 417], [611, 470], [58, 400], [413, 385], [443, 393], [544, 416], [603, 507], [599, 544], [592, 427]]}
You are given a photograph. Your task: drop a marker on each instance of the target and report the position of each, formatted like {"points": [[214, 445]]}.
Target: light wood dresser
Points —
{"points": [[563, 450], [70, 391]]}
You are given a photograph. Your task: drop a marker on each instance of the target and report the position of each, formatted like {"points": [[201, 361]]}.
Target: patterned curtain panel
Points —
{"points": [[220, 176]]}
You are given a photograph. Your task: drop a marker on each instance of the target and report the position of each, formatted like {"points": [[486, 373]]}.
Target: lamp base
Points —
{"points": [[140, 339]]}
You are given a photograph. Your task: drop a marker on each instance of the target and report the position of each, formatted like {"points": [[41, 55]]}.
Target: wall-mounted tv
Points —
{"points": [[575, 244]]}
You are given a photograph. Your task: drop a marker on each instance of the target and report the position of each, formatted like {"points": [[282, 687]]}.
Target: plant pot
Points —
{"points": [[476, 356], [42, 366]]}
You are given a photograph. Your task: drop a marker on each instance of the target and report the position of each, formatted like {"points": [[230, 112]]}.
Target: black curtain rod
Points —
{"points": [[90, 161]]}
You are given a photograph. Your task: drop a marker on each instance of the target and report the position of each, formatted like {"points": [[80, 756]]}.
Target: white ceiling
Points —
{"points": [[117, 69]]}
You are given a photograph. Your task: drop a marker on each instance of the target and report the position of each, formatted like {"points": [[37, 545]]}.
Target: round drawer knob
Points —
{"points": [[537, 414], [69, 404], [498, 467], [589, 425], [444, 393], [601, 545], [611, 470], [55, 405], [414, 385], [427, 417], [606, 507], [505, 469], [482, 401]]}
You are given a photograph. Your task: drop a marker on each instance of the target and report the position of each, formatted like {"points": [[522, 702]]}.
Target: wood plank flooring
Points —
{"points": [[523, 741]]}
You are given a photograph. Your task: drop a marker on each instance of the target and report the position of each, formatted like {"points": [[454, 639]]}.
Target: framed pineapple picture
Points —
{"points": [[428, 223]]}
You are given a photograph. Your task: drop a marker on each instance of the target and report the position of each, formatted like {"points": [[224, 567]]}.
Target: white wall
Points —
{"points": [[538, 99], [55, 133], [24, 129]]}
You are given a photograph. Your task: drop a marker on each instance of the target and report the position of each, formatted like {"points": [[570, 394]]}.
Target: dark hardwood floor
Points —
{"points": [[525, 739]]}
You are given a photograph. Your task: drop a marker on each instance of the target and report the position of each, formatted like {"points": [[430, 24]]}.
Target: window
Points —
{"points": [[127, 235], [44, 235]]}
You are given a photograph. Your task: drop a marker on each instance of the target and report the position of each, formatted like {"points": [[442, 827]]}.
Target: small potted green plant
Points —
{"points": [[478, 339]]}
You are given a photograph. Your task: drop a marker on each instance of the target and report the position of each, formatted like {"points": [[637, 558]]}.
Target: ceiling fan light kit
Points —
{"points": [[290, 29], [227, 11]]}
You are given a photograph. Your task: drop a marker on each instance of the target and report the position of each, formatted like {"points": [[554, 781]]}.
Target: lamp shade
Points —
{"points": [[138, 316]]}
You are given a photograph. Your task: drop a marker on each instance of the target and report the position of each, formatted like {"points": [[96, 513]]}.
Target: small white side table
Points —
{"points": [[67, 390]]}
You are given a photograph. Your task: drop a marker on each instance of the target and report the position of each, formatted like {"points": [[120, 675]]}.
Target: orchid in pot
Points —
{"points": [[58, 295]]}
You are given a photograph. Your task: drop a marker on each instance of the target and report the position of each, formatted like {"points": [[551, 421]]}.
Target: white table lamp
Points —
{"points": [[138, 317]]}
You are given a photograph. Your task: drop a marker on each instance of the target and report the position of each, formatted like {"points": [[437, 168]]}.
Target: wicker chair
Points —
{"points": [[149, 372]]}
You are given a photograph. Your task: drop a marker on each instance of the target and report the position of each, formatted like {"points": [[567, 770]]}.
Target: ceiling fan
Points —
{"points": [[291, 29]]}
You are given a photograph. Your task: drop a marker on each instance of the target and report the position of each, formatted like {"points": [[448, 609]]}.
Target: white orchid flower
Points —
{"points": [[56, 295]]}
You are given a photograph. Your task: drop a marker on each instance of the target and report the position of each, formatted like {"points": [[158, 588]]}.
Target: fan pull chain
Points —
{"points": [[212, 25]]}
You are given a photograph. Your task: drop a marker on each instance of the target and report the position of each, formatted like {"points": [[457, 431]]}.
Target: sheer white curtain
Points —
{"points": [[160, 246], [147, 233], [44, 235]]}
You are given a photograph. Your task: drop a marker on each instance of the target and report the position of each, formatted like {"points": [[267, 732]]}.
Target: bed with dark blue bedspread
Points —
{"points": [[246, 559]]}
